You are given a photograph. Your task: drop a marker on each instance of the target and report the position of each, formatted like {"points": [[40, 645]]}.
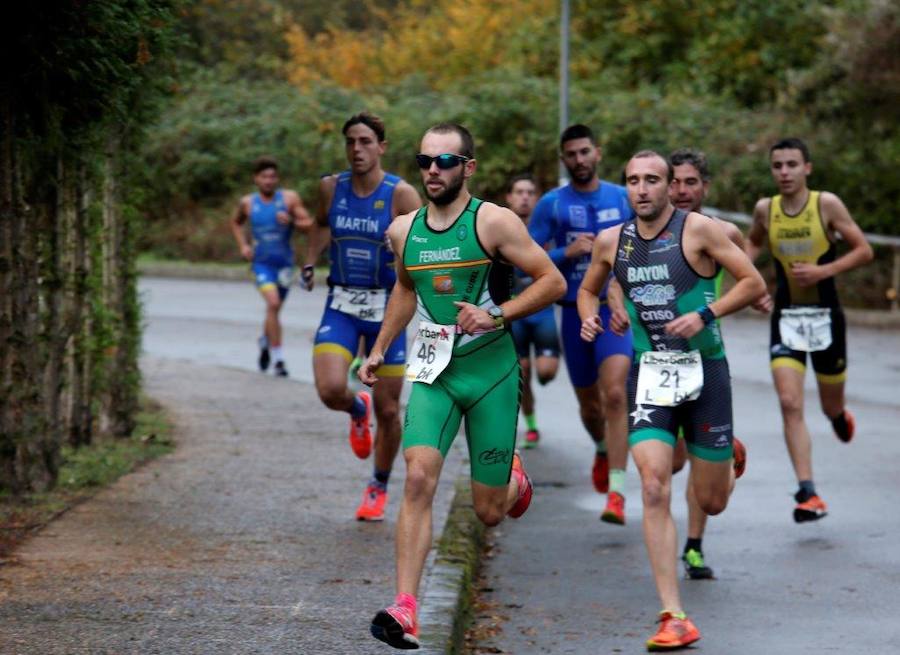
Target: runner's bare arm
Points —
{"points": [[749, 284], [302, 220], [837, 219], [236, 222], [401, 306], [759, 228], [320, 232], [406, 199], [588, 299], [619, 320], [503, 233]]}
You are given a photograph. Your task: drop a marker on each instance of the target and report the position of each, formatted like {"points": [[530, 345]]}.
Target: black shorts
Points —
{"points": [[706, 421], [830, 364]]}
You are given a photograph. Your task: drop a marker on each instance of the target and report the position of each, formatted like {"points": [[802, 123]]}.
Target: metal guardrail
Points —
{"points": [[875, 239]]}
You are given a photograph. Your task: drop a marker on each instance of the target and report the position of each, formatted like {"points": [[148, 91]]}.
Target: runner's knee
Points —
{"points": [[334, 397], [711, 501], [655, 491], [489, 513], [614, 400], [791, 404], [420, 483]]}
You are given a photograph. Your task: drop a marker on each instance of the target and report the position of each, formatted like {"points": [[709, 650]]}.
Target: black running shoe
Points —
{"points": [[280, 370], [694, 565], [264, 358]]}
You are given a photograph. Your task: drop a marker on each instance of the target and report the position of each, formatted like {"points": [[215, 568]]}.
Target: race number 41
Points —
{"points": [[666, 379], [431, 352]]}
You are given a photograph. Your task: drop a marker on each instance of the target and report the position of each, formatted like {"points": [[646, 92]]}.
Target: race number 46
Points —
{"points": [[431, 352]]}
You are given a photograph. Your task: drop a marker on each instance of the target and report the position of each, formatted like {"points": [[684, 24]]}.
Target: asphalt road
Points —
{"points": [[561, 581]]}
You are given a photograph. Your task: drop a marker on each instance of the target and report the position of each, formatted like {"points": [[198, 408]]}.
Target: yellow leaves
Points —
{"points": [[444, 40]]}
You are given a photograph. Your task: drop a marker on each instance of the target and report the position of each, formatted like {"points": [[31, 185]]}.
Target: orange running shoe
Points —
{"points": [[396, 626], [812, 509], [675, 631], [372, 506], [740, 457], [615, 509], [600, 473], [525, 488], [531, 438], [844, 425], [360, 430]]}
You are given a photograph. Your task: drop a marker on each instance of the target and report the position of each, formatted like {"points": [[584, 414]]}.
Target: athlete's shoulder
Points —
{"points": [[829, 200], [492, 213], [406, 198], [761, 208]]}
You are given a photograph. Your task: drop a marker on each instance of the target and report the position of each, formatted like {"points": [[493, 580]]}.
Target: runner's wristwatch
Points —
{"points": [[496, 313], [706, 314]]}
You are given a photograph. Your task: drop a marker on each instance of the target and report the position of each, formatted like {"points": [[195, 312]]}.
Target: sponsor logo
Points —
{"points": [[721, 441], [358, 253], [494, 456], [608, 215], [342, 203], [780, 350], [366, 225], [417, 239], [642, 413], [706, 427], [664, 242], [648, 273], [657, 315], [629, 229], [439, 255], [443, 334], [324, 329], [796, 248], [626, 250], [442, 283], [793, 232], [671, 359], [379, 204], [470, 285], [577, 216], [462, 232], [653, 294]]}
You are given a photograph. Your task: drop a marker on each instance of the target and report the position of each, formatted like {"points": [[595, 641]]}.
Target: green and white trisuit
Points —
{"points": [[481, 381], [659, 286]]}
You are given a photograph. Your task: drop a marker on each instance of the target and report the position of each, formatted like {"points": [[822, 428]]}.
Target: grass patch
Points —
{"points": [[85, 471]]}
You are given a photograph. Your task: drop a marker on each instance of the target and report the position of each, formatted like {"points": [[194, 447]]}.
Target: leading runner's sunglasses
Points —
{"points": [[444, 162]]}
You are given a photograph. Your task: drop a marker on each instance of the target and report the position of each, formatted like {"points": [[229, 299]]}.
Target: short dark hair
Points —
{"points": [[792, 143], [468, 143], [264, 163], [641, 154], [577, 131], [370, 120], [521, 177], [695, 158]]}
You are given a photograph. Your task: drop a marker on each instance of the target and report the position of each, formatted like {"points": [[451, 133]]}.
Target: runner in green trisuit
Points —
{"points": [[454, 275]]}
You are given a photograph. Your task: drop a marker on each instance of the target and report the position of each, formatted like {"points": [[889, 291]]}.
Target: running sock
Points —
{"points": [[358, 408], [807, 489], [380, 479], [408, 601], [601, 446], [277, 355], [617, 481], [531, 421], [693, 544]]}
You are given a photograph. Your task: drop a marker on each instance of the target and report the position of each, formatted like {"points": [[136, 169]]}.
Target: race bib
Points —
{"points": [[431, 352], [667, 379], [807, 329], [364, 304]]}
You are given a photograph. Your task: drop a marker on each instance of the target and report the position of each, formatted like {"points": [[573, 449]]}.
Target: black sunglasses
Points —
{"points": [[444, 162]]}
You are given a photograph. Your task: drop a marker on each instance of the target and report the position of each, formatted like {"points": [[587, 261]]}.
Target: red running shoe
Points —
{"points": [[675, 631], [812, 509], [600, 473], [531, 438], [615, 509], [360, 430], [740, 457], [396, 626], [372, 506], [525, 488]]}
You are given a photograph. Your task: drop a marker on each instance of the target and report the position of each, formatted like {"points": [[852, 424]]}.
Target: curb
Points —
{"points": [[446, 603]]}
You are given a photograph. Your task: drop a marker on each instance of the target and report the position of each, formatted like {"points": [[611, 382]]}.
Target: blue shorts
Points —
{"points": [[583, 359], [270, 276], [339, 333], [538, 329]]}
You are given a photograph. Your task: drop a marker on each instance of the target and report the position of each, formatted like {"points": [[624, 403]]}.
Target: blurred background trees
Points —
{"points": [[131, 126]]}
